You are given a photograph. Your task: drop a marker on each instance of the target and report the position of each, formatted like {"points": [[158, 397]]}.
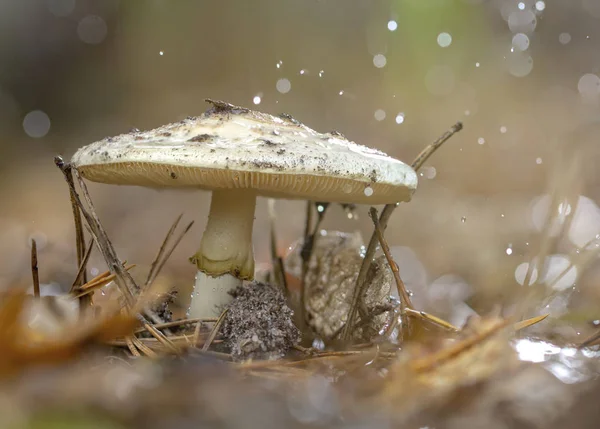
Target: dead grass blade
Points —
{"points": [[429, 362], [528, 322]]}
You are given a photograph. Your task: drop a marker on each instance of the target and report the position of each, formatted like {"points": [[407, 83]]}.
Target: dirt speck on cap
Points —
{"points": [[258, 324]]}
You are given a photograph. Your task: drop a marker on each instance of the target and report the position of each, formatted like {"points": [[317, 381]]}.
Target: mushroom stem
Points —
{"points": [[225, 257]]}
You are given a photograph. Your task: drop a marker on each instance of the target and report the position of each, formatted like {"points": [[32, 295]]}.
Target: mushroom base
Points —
{"points": [[211, 294]]}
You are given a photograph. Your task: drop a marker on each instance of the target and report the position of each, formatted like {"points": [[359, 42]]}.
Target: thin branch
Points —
{"points": [[383, 220], [429, 150], [123, 279], [162, 248], [78, 282], [215, 331], [34, 269], [405, 301]]}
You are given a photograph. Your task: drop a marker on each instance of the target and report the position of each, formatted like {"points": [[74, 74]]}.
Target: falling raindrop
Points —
{"points": [[519, 64], [36, 124], [379, 115], [564, 38], [589, 85], [520, 41], [522, 21], [379, 61], [283, 86], [444, 40], [92, 29]]}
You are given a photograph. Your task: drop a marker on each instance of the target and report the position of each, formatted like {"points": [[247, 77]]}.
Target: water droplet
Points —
{"points": [[279, 64], [463, 219], [302, 71], [589, 85], [283, 86], [596, 322], [379, 115], [509, 250], [321, 73], [520, 41], [521, 6], [320, 208], [503, 130], [564, 38], [214, 289], [368, 191], [538, 161], [256, 99], [341, 92], [392, 25], [540, 5], [477, 64], [444, 40], [481, 140], [400, 118], [379, 61], [161, 53], [92, 29], [36, 124]]}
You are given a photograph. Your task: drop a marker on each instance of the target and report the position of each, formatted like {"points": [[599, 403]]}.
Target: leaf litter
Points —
{"points": [[373, 360]]}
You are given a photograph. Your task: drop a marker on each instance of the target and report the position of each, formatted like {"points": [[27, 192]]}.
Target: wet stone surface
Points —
{"points": [[331, 279]]}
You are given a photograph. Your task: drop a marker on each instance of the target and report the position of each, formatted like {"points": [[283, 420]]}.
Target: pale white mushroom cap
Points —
{"points": [[233, 147]]}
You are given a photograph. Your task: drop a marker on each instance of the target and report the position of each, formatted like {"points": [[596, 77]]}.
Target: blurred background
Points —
{"points": [[523, 77]]}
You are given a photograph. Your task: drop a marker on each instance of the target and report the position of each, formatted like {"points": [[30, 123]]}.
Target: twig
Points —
{"points": [[429, 150], [405, 301], [215, 331], [176, 323], [78, 282], [383, 220], [34, 269], [306, 254], [79, 236], [123, 279], [276, 260]]}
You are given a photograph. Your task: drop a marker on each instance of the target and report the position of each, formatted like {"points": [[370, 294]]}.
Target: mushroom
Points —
{"points": [[240, 154]]}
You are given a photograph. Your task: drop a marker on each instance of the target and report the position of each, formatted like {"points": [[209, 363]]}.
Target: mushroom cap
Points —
{"points": [[234, 147]]}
